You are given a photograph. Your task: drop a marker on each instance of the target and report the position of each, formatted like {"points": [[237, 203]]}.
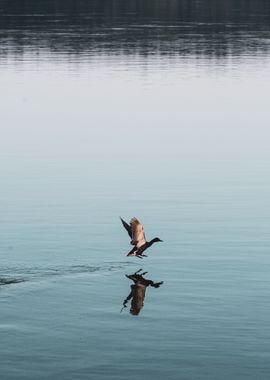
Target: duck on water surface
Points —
{"points": [[136, 233]]}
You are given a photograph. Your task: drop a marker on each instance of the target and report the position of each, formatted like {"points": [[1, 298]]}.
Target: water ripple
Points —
{"points": [[15, 275]]}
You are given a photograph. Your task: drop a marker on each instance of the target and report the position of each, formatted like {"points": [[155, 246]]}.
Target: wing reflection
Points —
{"points": [[137, 293]]}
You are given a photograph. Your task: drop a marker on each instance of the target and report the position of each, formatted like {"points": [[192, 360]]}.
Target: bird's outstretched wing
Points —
{"points": [[137, 233], [127, 227]]}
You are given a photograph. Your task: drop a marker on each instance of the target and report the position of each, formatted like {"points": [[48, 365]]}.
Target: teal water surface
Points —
{"points": [[147, 109]]}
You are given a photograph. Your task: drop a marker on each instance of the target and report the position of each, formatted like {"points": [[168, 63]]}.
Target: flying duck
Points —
{"points": [[136, 232]]}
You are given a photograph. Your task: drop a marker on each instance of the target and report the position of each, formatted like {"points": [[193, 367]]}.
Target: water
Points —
{"points": [[154, 109]]}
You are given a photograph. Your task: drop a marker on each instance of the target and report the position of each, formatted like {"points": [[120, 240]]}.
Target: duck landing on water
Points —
{"points": [[136, 232]]}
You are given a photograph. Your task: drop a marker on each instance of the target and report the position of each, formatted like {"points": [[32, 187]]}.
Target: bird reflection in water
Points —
{"points": [[138, 289]]}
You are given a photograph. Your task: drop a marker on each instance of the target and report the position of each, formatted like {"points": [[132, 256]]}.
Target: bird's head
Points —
{"points": [[156, 240]]}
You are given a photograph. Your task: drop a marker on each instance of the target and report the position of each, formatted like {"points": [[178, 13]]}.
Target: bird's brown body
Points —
{"points": [[136, 232]]}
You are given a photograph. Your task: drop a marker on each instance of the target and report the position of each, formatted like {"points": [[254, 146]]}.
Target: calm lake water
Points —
{"points": [[155, 109]]}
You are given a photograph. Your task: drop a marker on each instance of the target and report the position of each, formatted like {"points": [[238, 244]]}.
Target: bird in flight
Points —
{"points": [[136, 233]]}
